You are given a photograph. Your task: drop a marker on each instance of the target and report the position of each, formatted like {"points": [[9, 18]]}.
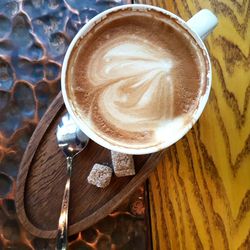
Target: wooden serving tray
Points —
{"points": [[42, 177]]}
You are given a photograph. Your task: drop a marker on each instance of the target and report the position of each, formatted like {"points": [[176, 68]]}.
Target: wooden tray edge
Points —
{"points": [[29, 153]]}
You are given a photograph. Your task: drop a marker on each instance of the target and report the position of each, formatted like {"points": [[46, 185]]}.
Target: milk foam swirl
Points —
{"points": [[136, 89]]}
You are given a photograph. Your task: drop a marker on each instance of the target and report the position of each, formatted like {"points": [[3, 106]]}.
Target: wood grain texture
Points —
{"points": [[200, 192], [42, 179]]}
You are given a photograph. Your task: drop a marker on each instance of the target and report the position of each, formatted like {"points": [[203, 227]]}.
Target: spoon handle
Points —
{"points": [[62, 234]]}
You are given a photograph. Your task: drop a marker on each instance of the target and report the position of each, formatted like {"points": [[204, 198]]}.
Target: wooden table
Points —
{"points": [[200, 192]]}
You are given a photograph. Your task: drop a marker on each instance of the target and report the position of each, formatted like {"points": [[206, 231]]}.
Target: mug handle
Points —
{"points": [[202, 23]]}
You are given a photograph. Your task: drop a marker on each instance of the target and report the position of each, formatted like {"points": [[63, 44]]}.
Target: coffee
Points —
{"points": [[136, 78]]}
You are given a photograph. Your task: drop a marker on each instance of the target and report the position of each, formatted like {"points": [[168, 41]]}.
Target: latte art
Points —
{"points": [[132, 75], [135, 81]]}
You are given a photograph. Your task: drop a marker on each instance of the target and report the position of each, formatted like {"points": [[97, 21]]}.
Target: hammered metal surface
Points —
{"points": [[34, 36]]}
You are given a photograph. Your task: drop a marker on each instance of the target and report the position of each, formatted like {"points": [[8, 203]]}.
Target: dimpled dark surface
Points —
{"points": [[34, 36]]}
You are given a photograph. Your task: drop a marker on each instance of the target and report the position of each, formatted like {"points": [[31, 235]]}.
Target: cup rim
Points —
{"points": [[87, 130]]}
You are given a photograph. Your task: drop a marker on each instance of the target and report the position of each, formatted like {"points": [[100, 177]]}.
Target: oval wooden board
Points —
{"points": [[42, 177]]}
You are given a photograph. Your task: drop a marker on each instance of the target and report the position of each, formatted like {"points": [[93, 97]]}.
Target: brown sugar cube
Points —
{"points": [[100, 175], [123, 164]]}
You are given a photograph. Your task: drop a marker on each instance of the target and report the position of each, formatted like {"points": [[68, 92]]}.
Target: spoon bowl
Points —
{"points": [[70, 138]]}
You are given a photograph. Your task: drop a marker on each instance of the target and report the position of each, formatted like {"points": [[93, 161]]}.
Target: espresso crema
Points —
{"points": [[136, 78]]}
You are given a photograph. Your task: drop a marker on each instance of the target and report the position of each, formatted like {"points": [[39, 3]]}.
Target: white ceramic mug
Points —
{"points": [[199, 26]]}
